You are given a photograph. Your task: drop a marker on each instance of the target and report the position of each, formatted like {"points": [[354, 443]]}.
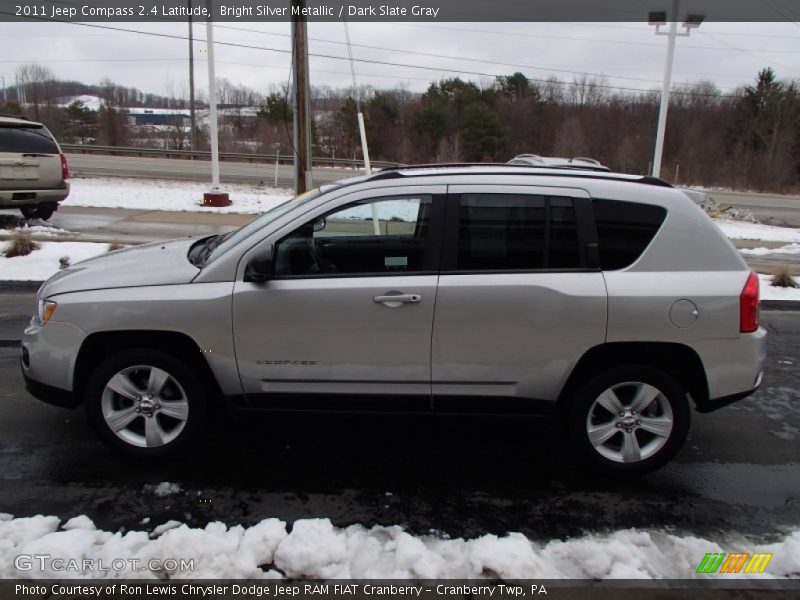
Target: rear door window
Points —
{"points": [[27, 140], [502, 232], [624, 230]]}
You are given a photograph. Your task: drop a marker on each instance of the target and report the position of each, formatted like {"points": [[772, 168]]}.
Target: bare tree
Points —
{"points": [[37, 82]]}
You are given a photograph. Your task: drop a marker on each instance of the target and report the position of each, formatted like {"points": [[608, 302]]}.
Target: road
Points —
{"points": [[88, 165], [780, 209], [462, 477], [768, 208]]}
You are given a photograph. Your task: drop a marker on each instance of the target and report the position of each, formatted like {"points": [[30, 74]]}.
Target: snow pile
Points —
{"points": [[787, 249], [163, 489], [770, 292], [155, 194], [737, 230], [316, 549], [43, 230], [91, 102], [43, 263], [714, 209]]}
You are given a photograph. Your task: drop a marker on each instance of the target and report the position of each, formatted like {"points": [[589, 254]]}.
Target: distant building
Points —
{"points": [[159, 116]]}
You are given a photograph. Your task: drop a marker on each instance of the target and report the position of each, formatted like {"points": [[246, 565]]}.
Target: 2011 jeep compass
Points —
{"points": [[609, 300]]}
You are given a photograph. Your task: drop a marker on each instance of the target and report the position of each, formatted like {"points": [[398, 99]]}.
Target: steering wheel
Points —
{"points": [[322, 264]]}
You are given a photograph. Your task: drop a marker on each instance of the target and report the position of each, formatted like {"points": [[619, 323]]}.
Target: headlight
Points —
{"points": [[46, 310]]}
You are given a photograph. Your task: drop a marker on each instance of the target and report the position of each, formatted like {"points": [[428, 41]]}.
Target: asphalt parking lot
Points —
{"points": [[739, 471]]}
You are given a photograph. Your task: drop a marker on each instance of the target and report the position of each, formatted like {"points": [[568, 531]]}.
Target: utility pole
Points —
{"points": [[192, 121], [658, 19], [213, 197], [301, 91]]}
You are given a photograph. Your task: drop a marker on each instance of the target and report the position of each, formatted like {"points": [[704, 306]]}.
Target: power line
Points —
{"points": [[733, 33], [748, 52], [464, 58], [577, 39], [475, 59], [364, 60]]}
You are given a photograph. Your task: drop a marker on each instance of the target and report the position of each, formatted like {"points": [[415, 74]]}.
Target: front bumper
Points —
{"points": [[50, 394], [47, 360]]}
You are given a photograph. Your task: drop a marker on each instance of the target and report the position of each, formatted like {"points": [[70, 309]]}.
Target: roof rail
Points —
{"points": [[397, 171], [585, 159]]}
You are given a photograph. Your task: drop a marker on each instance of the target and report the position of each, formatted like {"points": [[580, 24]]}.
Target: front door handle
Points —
{"points": [[394, 300]]}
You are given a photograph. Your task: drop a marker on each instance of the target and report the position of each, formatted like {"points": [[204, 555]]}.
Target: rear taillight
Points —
{"points": [[748, 305], [64, 167]]}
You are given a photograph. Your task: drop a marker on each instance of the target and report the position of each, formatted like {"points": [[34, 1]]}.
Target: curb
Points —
{"points": [[780, 305]]}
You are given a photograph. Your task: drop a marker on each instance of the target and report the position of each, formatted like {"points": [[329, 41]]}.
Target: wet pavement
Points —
{"points": [[739, 471]]}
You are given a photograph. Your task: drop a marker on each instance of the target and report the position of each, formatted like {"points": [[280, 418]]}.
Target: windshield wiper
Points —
{"points": [[208, 247]]}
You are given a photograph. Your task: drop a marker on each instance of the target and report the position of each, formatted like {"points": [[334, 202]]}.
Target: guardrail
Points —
{"points": [[203, 155]]}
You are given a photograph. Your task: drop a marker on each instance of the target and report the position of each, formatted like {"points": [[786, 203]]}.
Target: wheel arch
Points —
{"points": [[100, 345], [679, 361]]}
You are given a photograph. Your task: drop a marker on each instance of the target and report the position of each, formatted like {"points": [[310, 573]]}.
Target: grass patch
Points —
{"points": [[782, 277], [20, 244]]}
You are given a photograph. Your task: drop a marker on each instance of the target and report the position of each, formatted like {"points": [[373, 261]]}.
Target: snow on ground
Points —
{"points": [[314, 548], [41, 264], [769, 292], [160, 194], [787, 249], [91, 102], [739, 230], [165, 488]]}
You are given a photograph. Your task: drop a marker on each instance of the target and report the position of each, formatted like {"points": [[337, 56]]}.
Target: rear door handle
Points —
{"points": [[398, 299]]}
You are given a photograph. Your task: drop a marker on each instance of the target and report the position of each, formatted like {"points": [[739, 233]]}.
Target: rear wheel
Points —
{"points": [[43, 211], [146, 403], [630, 420]]}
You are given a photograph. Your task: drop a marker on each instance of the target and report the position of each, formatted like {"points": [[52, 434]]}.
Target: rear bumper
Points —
{"points": [[33, 197], [734, 367], [708, 406]]}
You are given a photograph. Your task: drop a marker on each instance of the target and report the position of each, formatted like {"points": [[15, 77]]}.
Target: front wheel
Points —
{"points": [[145, 402], [630, 420]]}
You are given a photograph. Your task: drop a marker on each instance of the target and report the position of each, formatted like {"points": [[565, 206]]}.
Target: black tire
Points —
{"points": [[43, 211], [183, 389], [611, 455]]}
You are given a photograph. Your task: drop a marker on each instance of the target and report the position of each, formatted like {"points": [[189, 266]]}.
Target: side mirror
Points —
{"points": [[319, 224], [260, 268]]}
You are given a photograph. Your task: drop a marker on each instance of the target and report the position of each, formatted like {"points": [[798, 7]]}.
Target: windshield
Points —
{"points": [[227, 241]]}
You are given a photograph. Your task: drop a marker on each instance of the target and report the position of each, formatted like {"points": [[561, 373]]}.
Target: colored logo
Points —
{"points": [[734, 562]]}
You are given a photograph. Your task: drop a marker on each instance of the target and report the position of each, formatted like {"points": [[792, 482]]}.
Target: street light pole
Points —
{"points": [[192, 122], [659, 19], [662, 111], [213, 197]]}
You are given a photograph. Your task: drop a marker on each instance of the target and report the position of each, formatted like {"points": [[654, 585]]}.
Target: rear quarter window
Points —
{"points": [[27, 140], [624, 230]]}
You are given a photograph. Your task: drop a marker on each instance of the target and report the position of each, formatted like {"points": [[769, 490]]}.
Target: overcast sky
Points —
{"points": [[628, 54]]}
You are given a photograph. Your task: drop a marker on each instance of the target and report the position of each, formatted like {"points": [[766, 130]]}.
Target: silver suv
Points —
{"points": [[33, 170], [609, 301]]}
